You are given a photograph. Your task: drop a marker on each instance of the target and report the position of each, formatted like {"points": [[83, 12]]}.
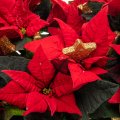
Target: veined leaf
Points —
{"points": [[91, 96]]}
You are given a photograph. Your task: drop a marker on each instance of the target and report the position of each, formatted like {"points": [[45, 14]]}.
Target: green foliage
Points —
{"points": [[20, 43], [43, 9], [93, 95], [11, 63], [95, 7], [10, 111], [106, 110]]}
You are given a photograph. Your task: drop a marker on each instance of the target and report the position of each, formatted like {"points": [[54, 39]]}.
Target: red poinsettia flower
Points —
{"points": [[19, 15], [92, 32], [40, 90]]}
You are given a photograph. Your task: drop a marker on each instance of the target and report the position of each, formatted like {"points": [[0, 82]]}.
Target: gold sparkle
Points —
{"points": [[6, 46], [85, 8], [79, 50], [37, 36]]}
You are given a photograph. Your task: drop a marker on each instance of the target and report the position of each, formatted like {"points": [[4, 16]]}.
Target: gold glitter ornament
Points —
{"points": [[115, 119], [37, 36], [85, 8], [6, 47], [79, 50]]}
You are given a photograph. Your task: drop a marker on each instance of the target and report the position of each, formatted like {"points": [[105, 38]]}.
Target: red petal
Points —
{"points": [[13, 94], [116, 48], [10, 32], [36, 103], [59, 10], [7, 3], [102, 60], [54, 43], [92, 32], [41, 68], [18, 100], [25, 80], [35, 25], [54, 31], [51, 101], [81, 77], [74, 18], [62, 84], [115, 98], [3, 22], [12, 87], [67, 104], [114, 7], [69, 35], [98, 70]]}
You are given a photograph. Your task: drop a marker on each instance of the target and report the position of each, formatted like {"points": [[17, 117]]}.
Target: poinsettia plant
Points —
{"points": [[59, 61]]}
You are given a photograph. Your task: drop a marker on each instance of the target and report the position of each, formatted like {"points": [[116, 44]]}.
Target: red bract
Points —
{"points": [[20, 16], [68, 13], [114, 7], [42, 89], [115, 98]]}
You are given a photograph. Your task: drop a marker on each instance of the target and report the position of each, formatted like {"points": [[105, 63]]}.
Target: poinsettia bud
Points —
{"points": [[6, 47]]}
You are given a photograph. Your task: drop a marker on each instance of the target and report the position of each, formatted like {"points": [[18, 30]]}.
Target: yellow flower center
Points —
{"points": [[47, 91], [23, 31]]}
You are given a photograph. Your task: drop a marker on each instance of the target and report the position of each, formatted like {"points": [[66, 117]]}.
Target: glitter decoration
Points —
{"points": [[6, 47], [37, 36], [85, 8], [79, 50]]}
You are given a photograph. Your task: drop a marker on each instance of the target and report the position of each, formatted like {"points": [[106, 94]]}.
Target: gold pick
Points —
{"points": [[85, 8], [37, 36], [79, 50], [6, 46]]}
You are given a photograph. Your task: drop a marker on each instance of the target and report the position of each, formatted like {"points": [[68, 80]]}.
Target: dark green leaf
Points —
{"points": [[17, 118], [11, 63], [43, 9], [91, 96], [20, 43], [95, 7], [106, 110]]}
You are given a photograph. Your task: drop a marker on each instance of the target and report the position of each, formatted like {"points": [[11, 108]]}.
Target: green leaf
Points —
{"points": [[43, 9], [11, 111], [20, 43], [11, 63], [91, 96], [95, 7], [106, 110]]}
